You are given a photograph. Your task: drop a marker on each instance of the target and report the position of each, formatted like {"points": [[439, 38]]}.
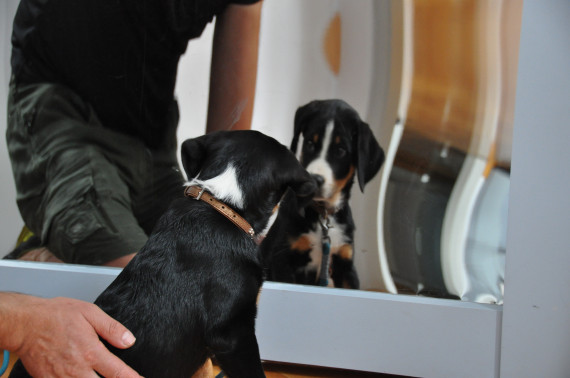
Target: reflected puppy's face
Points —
{"points": [[333, 143], [325, 151]]}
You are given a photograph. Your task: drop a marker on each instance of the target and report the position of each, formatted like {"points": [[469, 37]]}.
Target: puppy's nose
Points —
{"points": [[320, 180]]}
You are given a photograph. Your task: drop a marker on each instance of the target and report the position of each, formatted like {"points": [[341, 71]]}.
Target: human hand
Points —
{"points": [[60, 339]]}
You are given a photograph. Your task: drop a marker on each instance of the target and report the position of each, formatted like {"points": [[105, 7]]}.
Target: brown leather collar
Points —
{"points": [[199, 193]]}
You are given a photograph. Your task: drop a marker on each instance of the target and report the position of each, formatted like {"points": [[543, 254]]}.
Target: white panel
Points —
{"points": [[329, 327], [292, 69], [536, 332], [193, 85]]}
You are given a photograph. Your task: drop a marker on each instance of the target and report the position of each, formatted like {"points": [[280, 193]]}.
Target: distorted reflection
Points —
{"points": [[446, 200]]}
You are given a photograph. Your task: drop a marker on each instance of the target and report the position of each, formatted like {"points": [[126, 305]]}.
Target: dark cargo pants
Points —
{"points": [[91, 194]]}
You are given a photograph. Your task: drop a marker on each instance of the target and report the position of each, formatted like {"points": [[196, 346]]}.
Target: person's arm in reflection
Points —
{"points": [[234, 68], [60, 337]]}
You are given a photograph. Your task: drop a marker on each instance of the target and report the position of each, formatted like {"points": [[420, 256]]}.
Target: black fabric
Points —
{"points": [[121, 56]]}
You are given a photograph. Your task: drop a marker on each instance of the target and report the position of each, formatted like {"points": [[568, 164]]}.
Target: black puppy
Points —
{"points": [[190, 293], [333, 144]]}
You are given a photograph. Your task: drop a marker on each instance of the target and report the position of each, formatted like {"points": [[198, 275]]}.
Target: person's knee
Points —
{"points": [[84, 233]]}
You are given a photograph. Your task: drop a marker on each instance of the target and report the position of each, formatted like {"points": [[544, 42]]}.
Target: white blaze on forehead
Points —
{"points": [[320, 166], [224, 187]]}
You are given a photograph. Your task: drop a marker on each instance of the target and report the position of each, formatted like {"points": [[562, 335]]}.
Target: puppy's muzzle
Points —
{"points": [[320, 180]]}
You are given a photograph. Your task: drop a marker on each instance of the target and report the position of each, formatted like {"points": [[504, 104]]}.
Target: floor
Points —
{"points": [[275, 370]]}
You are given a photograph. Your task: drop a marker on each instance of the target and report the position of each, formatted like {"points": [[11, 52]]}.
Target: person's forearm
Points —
{"points": [[234, 68]]}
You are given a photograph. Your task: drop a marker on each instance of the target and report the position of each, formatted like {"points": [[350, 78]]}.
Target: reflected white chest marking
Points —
{"points": [[338, 238]]}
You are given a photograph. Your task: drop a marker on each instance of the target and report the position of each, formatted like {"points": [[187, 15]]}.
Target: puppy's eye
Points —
{"points": [[340, 152], [310, 146]]}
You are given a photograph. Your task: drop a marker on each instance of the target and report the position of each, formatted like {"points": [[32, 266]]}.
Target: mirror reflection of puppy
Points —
{"points": [[333, 144], [191, 291]]}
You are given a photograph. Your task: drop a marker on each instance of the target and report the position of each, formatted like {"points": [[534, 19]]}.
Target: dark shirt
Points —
{"points": [[121, 56]]}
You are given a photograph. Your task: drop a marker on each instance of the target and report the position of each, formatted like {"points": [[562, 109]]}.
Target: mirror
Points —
{"points": [[445, 198], [433, 222], [435, 81]]}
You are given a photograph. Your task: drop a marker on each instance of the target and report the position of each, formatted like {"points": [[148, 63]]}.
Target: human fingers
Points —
{"points": [[108, 328], [109, 365]]}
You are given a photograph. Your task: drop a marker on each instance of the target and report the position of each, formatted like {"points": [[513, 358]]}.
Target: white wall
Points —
{"points": [[192, 86], [292, 66], [10, 220]]}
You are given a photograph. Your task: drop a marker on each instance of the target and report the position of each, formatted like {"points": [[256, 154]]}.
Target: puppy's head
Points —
{"points": [[247, 170], [332, 143]]}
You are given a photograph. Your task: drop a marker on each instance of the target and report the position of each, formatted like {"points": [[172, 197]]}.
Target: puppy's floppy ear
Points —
{"points": [[304, 189], [370, 155], [193, 152], [302, 117]]}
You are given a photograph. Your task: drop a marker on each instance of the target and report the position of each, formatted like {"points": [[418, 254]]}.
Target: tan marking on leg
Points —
{"points": [[345, 252], [205, 371], [302, 244]]}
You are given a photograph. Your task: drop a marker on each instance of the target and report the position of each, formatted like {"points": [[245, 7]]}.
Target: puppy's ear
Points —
{"points": [[370, 155], [304, 189], [302, 117], [193, 152]]}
